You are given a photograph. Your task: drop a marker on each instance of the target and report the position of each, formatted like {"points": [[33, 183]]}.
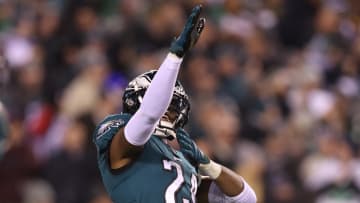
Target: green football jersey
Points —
{"points": [[160, 174]]}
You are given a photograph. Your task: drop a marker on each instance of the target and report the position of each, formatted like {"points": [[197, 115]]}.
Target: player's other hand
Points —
{"points": [[189, 148], [190, 34]]}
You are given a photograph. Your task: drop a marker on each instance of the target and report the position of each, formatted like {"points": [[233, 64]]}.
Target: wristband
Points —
{"points": [[212, 169]]}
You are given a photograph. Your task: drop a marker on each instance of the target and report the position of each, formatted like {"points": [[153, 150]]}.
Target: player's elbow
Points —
{"points": [[250, 195], [246, 196], [252, 198]]}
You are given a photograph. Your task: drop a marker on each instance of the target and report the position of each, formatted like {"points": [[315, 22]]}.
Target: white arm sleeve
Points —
{"points": [[217, 196], [155, 103]]}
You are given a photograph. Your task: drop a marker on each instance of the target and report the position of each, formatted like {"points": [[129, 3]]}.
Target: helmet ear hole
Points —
{"points": [[132, 99], [129, 102], [135, 91]]}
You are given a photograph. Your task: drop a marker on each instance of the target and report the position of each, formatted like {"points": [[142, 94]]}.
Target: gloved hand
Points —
{"points": [[190, 34], [189, 148]]}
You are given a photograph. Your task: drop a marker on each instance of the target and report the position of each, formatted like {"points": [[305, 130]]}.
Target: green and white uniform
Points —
{"points": [[159, 174]]}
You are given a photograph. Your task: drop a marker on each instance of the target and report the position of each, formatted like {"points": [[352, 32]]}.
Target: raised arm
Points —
{"points": [[129, 140]]}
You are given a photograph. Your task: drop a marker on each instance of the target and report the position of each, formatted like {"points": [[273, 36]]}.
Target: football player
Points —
{"points": [[135, 154]]}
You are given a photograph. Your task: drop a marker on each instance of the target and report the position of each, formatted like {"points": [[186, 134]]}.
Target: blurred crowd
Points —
{"points": [[274, 88]]}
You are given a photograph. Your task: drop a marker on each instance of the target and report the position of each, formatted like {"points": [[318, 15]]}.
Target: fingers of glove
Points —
{"points": [[192, 20], [196, 33], [194, 16], [182, 131], [183, 139], [188, 153], [182, 134], [200, 26], [185, 144]]}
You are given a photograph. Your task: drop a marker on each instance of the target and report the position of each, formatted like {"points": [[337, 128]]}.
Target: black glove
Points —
{"points": [[190, 34]]}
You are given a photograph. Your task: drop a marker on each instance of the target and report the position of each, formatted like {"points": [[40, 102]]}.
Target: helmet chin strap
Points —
{"points": [[165, 129]]}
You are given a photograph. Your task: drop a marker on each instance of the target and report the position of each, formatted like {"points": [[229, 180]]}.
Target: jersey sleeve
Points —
{"points": [[107, 129]]}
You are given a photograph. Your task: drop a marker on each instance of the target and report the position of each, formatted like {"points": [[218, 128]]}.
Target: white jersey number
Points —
{"points": [[176, 184]]}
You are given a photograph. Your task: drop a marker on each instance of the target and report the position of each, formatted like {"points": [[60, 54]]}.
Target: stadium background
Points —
{"points": [[274, 86]]}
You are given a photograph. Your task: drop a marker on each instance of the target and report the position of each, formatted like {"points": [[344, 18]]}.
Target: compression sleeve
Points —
{"points": [[217, 196], [155, 103]]}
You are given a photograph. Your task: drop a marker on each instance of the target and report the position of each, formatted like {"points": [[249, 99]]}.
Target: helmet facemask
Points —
{"points": [[166, 128]]}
